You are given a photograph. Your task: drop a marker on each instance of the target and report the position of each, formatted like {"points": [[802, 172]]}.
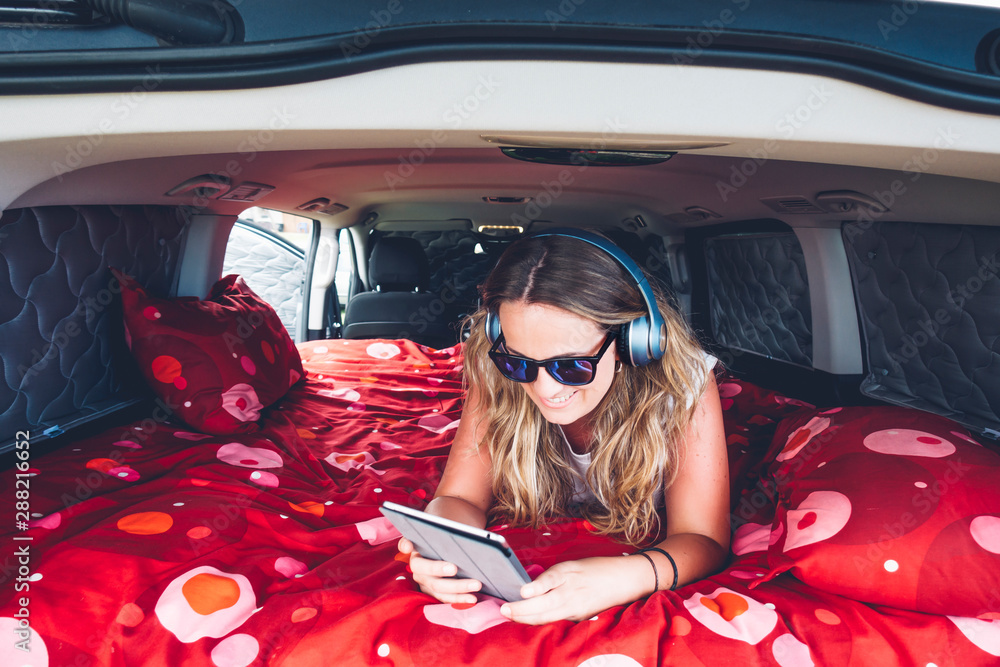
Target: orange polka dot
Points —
{"points": [[102, 465], [199, 532], [462, 605], [130, 615], [402, 558], [345, 458], [305, 434], [166, 369], [726, 605], [303, 614], [828, 617], [268, 351], [145, 523], [680, 626], [208, 593], [368, 379], [199, 482], [308, 506]]}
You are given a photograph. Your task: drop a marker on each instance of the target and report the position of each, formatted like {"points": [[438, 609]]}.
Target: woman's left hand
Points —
{"points": [[576, 590]]}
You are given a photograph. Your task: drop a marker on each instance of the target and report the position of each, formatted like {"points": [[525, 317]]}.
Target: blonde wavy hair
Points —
{"points": [[638, 431]]}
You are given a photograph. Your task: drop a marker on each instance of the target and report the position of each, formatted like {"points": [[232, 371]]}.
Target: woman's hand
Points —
{"points": [[576, 590], [435, 577]]}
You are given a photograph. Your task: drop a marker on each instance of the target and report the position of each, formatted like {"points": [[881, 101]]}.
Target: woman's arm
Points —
{"points": [[697, 537], [465, 495]]}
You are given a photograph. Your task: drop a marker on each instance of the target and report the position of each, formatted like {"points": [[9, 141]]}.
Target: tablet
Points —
{"points": [[478, 554]]}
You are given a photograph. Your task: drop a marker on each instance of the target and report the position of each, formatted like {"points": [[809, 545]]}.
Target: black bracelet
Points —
{"points": [[656, 575], [669, 557]]}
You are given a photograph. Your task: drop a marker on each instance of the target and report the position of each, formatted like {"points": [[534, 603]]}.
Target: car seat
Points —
{"points": [[399, 305]]}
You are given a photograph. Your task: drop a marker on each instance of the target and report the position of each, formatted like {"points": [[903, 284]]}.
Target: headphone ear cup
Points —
{"points": [[624, 344], [492, 326], [639, 343]]}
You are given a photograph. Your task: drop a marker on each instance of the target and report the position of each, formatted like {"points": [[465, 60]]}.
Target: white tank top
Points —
{"points": [[582, 493]]}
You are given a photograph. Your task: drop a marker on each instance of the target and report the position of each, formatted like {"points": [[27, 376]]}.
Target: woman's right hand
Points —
{"points": [[436, 577]]}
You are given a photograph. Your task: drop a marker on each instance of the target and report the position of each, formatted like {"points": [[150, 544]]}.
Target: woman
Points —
{"points": [[594, 436]]}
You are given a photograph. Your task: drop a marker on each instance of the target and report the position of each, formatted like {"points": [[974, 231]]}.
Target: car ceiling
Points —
{"points": [[345, 138]]}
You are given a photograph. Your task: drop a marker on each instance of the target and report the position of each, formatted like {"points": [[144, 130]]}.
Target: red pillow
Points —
{"points": [[888, 505], [215, 363]]}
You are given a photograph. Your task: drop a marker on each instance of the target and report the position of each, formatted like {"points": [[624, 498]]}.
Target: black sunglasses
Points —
{"points": [[572, 371]]}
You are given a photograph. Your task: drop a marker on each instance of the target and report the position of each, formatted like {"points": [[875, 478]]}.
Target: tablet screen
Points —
{"points": [[478, 554]]}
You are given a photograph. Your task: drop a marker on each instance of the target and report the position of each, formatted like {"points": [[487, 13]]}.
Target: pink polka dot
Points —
{"points": [[127, 443], [289, 567], [791, 652], [248, 365], [920, 485], [262, 478], [729, 389], [235, 651], [986, 532], [908, 442]]}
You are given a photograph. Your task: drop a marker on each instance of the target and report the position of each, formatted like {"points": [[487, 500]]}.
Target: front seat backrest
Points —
{"points": [[398, 306]]}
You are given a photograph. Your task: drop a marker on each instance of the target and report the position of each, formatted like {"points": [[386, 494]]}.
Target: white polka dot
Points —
{"points": [[891, 566], [37, 576], [769, 605], [593, 618], [187, 404], [931, 664], [821, 464], [283, 516], [235, 356], [37, 514], [178, 504], [400, 578], [76, 450], [255, 475], [378, 490], [920, 485], [329, 502], [383, 650], [546, 534], [299, 576], [123, 474]]}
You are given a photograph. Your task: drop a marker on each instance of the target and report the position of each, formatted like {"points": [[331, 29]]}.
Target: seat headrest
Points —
{"points": [[398, 264]]}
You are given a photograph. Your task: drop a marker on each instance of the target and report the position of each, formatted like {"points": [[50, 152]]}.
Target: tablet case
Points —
{"points": [[478, 554]]}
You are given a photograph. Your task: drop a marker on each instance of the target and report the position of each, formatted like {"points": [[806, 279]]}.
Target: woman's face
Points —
{"points": [[542, 332]]}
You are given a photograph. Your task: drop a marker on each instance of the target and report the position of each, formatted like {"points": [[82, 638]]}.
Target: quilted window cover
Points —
{"points": [[929, 304], [61, 347], [150, 544], [759, 296]]}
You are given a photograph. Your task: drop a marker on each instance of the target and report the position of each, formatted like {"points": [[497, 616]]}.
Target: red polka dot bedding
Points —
{"points": [[860, 536]]}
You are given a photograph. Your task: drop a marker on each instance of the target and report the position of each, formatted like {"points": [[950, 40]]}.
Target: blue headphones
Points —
{"points": [[642, 340]]}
